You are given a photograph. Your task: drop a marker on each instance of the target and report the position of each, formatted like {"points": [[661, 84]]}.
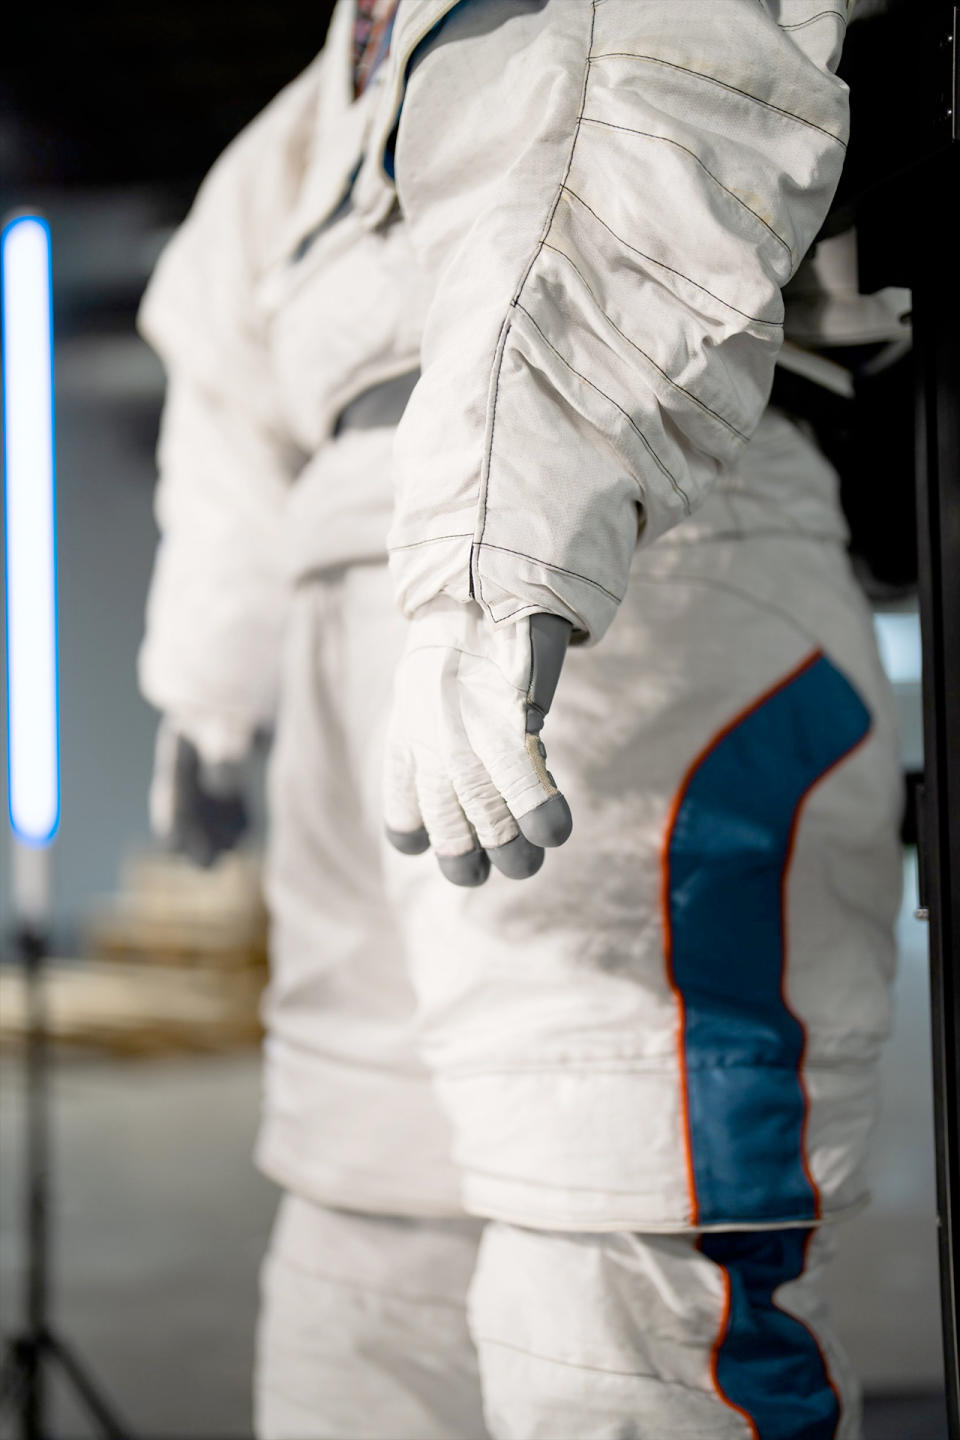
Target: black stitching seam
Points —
{"points": [[734, 89], [522, 554], [754, 319], [535, 559], [433, 540], [629, 418], [476, 580], [649, 358], [507, 320], [581, 1365], [648, 135], [799, 24]]}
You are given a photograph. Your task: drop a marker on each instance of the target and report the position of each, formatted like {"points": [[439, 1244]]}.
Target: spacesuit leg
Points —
{"points": [[658, 1337], [349, 1116], [363, 1332], [674, 1027], [676, 1024]]}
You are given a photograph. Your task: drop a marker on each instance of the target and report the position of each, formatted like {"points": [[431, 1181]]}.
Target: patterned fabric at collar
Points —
{"points": [[371, 39]]}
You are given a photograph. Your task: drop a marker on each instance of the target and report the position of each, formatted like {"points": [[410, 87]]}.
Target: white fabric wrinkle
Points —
{"points": [[744, 225]]}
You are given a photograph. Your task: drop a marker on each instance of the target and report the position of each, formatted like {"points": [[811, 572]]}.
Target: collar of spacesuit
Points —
{"points": [[415, 22], [351, 137], [372, 29], [338, 132]]}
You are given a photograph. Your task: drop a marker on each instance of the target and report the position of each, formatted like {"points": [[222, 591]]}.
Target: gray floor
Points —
{"points": [[162, 1221], [912, 1417]]}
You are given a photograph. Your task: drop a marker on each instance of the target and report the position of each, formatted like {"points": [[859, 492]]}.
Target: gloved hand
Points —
{"points": [[197, 807], [466, 767]]}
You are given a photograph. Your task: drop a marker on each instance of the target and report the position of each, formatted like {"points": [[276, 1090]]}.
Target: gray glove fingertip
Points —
{"points": [[409, 842], [468, 870], [550, 824], [518, 859]]}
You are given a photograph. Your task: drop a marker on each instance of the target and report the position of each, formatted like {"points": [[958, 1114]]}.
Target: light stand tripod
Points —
{"points": [[34, 774], [29, 1354]]}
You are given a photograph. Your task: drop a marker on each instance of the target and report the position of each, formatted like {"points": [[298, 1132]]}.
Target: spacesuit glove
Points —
{"points": [[465, 766], [197, 806]]}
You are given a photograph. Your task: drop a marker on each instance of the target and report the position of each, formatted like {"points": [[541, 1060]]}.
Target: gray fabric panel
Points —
{"points": [[381, 405]]}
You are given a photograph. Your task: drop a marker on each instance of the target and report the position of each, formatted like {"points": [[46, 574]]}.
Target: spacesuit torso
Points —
{"points": [[324, 300]]}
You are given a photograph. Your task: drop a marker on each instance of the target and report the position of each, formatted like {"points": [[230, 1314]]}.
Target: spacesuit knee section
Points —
{"points": [[718, 1335], [362, 1330]]}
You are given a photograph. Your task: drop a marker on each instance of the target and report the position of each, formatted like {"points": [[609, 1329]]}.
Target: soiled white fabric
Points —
{"points": [[642, 1352], [385, 1329], [363, 1329], [610, 197]]}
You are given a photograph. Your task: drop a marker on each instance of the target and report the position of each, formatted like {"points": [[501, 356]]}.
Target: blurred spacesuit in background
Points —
{"points": [[557, 1151]]}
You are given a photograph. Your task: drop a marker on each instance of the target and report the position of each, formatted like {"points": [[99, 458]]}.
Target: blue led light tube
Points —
{"points": [[33, 765]]}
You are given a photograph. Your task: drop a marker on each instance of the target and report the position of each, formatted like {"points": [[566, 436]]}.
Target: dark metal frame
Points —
{"points": [[904, 209], [937, 329]]}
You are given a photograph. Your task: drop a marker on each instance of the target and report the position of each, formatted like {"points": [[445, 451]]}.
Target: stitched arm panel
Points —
{"points": [[608, 199]]}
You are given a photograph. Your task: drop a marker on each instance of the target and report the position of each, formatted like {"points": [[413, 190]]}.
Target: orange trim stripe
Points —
{"points": [[715, 1357]]}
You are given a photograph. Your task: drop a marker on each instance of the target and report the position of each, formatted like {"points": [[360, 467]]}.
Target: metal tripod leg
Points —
{"points": [[29, 1356], [23, 1389], [93, 1400]]}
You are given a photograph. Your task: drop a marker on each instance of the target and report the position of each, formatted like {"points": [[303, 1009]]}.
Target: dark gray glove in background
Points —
{"points": [[198, 808]]}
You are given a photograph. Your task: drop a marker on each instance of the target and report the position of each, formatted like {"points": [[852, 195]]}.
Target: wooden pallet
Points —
{"points": [[175, 960], [138, 1009], [169, 913]]}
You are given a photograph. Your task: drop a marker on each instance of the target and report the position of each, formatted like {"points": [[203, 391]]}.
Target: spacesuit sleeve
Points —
{"points": [[218, 594], [609, 198]]}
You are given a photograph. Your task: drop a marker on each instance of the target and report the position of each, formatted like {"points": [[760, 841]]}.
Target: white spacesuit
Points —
{"points": [[615, 1101]]}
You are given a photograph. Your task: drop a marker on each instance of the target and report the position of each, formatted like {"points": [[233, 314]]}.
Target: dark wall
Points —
{"points": [[142, 92]]}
